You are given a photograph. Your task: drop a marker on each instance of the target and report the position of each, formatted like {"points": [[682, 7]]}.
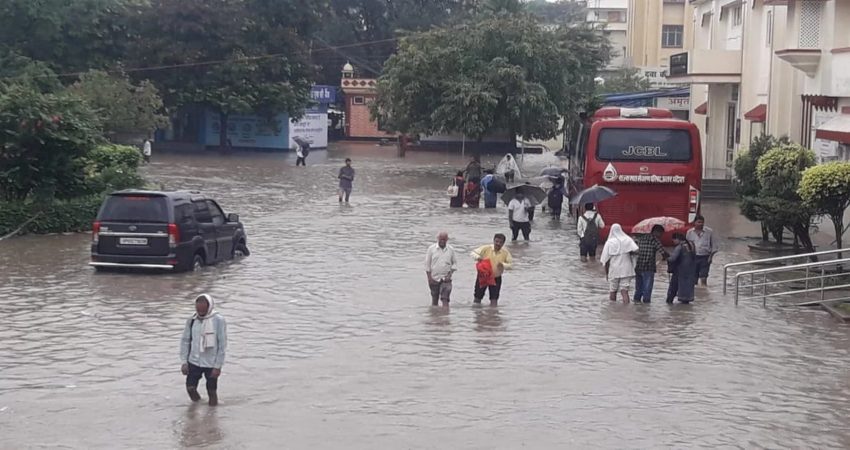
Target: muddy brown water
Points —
{"points": [[333, 343]]}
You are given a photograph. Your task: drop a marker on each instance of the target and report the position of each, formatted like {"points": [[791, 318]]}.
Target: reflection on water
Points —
{"points": [[333, 343], [200, 427]]}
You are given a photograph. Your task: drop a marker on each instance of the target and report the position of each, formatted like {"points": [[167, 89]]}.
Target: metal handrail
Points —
{"points": [[775, 259], [822, 265]]}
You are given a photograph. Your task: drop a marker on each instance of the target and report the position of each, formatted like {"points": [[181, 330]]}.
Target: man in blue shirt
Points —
{"points": [[202, 348]]}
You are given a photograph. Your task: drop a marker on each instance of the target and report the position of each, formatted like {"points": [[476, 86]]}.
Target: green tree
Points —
{"points": [[20, 70], [43, 140], [826, 189], [124, 107], [67, 35], [747, 183], [500, 71], [627, 79], [561, 12], [366, 31], [777, 203], [233, 56]]}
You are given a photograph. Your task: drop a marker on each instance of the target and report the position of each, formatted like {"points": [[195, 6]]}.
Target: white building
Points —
{"points": [[613, 14], [817, 46], [767, 66]]}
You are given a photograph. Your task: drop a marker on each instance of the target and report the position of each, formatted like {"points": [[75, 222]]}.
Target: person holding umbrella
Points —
{"points": [[649, 246], [518, 216]]}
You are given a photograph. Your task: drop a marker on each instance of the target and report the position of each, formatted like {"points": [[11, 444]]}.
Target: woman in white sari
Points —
{"points": [[617, 258], [509, 168]]}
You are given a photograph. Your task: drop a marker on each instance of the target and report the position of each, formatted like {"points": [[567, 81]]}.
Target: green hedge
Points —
{"points": [[108, 156], [56, 216]]}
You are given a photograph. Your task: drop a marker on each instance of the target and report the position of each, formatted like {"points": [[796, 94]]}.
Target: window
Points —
{"points": [[215, 212], [183, 214], [135, 208], [671, 36], [738, 15], [811, 13], [202, 212], [768, 40], [615, 16], [358, 101], [644, 144]]}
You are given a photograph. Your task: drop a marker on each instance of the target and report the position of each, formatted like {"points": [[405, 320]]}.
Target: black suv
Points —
{"points": [[164, 230]]}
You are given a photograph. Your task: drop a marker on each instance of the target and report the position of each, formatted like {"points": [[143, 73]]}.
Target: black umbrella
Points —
{"points": [[593, 194], [534, 194]]}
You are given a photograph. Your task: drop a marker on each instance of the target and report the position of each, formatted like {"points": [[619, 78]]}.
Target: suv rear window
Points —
{"points": [[135, 208], [647, 144]]}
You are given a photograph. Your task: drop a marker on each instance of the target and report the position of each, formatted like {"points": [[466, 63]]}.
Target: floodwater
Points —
{"points": [[333, 343]]}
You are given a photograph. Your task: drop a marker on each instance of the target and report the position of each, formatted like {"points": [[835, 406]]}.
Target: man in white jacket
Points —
{"points": [[202, 348]]}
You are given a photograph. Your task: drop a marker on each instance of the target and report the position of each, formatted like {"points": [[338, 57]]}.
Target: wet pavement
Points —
{"points": [[333, 343]]}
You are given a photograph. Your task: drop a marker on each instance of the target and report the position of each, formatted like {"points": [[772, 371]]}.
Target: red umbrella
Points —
{"points": [[669, 224]]}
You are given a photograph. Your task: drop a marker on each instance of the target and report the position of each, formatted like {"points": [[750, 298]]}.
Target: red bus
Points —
{"points": [[652, 161]]}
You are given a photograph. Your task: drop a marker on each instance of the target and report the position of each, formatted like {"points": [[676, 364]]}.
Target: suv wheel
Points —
{"points": [[197, 263], [240, 250]]}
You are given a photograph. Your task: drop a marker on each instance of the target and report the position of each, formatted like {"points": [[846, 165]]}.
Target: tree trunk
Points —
{"points": [[802, 233], [222, 132], [838, 223], [765, 232]]}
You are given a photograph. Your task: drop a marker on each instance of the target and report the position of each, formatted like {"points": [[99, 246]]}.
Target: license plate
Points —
{"points": [[133, 241]]}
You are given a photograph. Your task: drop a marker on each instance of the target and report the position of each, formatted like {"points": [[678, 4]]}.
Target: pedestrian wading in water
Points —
{"points": [[617, 258], [587, 227], [492, 261], [202, 348], [346, 181], [440, 265]]}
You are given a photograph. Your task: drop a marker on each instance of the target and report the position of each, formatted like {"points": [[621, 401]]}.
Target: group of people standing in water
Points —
{"points": [[474, 181]]}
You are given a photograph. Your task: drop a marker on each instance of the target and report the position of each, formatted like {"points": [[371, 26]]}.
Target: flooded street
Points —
{"points": [[333, 343]]}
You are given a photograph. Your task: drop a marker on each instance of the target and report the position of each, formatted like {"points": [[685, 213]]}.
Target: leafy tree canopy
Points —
{"points": [[125, 107], [627, 79], [826, 189], [366, 30], [67, 35], [501, 71], [234, 56]]}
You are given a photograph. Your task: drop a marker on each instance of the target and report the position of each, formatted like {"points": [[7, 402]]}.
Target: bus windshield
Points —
{"points": [[646, 145]]}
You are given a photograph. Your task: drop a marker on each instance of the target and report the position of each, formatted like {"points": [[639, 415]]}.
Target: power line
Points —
{"points": [[210, 63]]}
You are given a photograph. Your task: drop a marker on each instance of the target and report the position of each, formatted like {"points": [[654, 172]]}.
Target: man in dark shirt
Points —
{"points": [[346, 180], [649, 247]]}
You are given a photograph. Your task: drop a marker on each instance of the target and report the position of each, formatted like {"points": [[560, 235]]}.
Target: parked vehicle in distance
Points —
{"points": [[177, 231]]}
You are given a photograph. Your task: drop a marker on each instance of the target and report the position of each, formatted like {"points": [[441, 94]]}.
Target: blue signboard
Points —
{"points": [[250, 131], [323, 95]]}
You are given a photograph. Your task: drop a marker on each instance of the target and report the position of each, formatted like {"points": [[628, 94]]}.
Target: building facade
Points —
{"points": [[613, 15], [657, 30], [197, 128], [767, 66], [359, 93]]}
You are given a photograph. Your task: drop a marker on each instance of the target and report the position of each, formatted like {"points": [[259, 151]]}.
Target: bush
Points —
{"points": [[57, 216], [108, 156], [43, 138], [826, 189]]}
